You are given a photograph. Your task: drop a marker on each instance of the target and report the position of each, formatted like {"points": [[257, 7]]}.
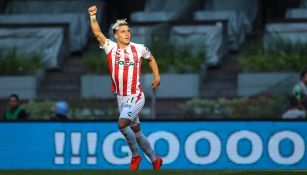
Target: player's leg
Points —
{"points": [[124, 123], [124, 127], [145, 145], [141, 139]]}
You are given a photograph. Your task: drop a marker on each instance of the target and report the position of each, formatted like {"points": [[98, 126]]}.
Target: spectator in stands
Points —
{"points": [[300, 90], [294, 111], [61, 110], [14, 111]]}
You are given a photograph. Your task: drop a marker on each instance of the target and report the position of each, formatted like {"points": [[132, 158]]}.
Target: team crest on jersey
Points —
{"points": [[126, 55]]}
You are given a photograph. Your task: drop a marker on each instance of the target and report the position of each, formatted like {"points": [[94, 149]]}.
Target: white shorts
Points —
{"points": [[130, 107]]}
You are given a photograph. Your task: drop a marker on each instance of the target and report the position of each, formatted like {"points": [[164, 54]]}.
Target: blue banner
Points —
{"points": [[182, 145]]}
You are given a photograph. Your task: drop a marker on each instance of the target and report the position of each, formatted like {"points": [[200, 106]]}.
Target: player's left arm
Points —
{"points": [[155, 70]]}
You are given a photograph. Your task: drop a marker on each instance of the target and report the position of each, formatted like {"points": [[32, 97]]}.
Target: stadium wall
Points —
{"points": [[183, 145], [24, 86], [250, 84], [92, 86]]}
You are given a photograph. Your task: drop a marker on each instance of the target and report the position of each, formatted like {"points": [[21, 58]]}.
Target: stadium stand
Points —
{"points": [[236, 28], [300, 13], [50, 7], [248, 8], [49, 42], [172, 15], [31, 14], [206, 38], [292, 28], [77, 24], [239, 19], [293, 32], [161, 10], [303, 4]]}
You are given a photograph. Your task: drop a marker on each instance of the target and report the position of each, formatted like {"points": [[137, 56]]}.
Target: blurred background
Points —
{"points": [[218, 59]]}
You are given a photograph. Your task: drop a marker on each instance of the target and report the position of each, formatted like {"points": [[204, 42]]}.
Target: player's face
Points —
{"points": [[123, 35]]}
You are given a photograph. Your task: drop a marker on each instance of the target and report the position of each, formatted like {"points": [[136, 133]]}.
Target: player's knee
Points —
{"points": [[122, 125], [136, 128]]}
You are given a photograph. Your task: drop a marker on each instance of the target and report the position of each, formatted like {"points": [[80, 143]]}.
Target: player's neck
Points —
{"points": [[122, 45]]}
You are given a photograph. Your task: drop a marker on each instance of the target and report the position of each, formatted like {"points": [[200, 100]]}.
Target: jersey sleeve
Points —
{"points": [[145, 53], [108, 45]]}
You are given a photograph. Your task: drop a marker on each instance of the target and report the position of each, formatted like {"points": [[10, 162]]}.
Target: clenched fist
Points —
{"points": [[92, 10], [155, 83]]}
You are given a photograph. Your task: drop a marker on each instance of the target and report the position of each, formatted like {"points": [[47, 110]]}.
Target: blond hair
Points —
{"points": [[118, 23]]}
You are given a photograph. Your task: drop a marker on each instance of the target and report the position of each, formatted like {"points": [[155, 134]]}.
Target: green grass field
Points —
{"points": [[144, 172]]}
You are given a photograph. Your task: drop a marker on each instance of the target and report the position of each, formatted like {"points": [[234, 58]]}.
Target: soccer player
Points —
{"points": [[125, 60]]}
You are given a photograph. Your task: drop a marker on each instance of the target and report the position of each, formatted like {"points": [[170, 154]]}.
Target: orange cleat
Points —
{"points": [[135, 163], [157, 164]]}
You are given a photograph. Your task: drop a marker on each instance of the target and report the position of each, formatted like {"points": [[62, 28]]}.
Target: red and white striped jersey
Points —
{"points": [[125, 66]]}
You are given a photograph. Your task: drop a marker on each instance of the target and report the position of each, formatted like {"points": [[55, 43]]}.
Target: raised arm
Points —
{"points": [[95, 26], [155, 70]]}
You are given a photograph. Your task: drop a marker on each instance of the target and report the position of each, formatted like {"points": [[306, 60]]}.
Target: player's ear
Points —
{"points": [[115, 35]]}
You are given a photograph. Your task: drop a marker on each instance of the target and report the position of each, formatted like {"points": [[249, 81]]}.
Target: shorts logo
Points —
{"points": [[128, 105]]}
